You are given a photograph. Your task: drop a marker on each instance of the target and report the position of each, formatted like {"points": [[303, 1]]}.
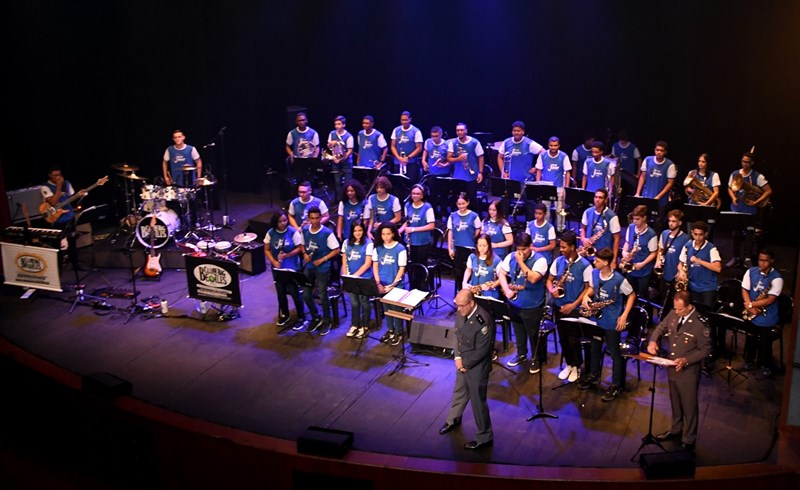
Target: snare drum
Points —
{"points": [[152, 199], [206, 245], [222, 247], [166, 224]]}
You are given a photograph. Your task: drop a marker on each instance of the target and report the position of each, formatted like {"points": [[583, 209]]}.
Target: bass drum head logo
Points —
{"points": [[31, 263], [212, 276]]}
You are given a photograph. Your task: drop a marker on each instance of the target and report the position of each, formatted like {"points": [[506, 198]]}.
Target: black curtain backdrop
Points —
{"points": [[90, 84]]}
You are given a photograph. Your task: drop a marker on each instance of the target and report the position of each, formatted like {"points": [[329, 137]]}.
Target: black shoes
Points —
{"points": [[478, 445], [588, 381], [447, 427], [666, 436], [516, 361], [612, 393]]}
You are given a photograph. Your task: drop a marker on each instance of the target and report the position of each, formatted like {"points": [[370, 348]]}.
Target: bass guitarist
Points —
{"points": [[58, 190]]}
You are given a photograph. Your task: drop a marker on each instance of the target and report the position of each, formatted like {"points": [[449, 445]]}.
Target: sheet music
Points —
{"points": [[409, 299]]}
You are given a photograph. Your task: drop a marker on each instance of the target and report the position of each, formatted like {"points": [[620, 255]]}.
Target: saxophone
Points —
{"points": [[659, 269], [762, 310], [517, 287], [593, 308], [626, 264], [682, 279], [561, 281], [476, 289], [589, 251]]}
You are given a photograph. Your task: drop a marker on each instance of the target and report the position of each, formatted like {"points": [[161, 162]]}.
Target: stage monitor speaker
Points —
{"points": [[259, 225], [432, 335], [252, 259], [660, 466], [324, 442], [105, 385]]}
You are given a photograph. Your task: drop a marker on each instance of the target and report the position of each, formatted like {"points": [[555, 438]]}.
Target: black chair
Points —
{"points": [[638, 321]]}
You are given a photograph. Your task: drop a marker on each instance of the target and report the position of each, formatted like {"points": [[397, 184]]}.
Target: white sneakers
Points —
{"points": [[570, 373], [352, 332]]}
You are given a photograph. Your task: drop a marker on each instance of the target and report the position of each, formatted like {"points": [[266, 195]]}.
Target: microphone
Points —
{"points": [[210, 144]]}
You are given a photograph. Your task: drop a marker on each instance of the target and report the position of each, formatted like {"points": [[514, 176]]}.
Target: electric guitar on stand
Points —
{"points": [[153, 267], [52, 213]]}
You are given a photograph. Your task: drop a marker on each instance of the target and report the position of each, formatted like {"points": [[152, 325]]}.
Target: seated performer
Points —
{"points": [[298, 208], [568, 282], [480, 275]]}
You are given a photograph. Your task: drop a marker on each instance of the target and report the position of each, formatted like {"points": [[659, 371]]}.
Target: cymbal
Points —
{"points": [[188, 168], [124, 167], [205, 181], [132, 176], [244, 237]]}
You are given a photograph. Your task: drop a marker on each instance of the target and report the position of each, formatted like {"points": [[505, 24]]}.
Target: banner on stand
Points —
{"points": [[213, 280], [31, 267]]}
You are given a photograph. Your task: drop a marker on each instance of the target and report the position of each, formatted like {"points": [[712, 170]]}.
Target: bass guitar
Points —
{"points": [[52, 213], [153, 267]]}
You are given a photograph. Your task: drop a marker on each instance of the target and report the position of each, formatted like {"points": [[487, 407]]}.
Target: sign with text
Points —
{"points": [[31, 267], [213, 280]]}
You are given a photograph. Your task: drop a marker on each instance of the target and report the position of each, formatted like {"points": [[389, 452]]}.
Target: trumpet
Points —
{"points": [[750, 191], [476, 289], [561, 281], [458, 151], [593, 308], [682, 279], [762, 310]]}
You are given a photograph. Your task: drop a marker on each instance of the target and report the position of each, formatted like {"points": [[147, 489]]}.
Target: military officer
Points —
{"points": [[689, 345], [473, 358]]}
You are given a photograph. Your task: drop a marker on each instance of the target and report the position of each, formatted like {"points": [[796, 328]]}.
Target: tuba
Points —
{"points": [[701, 192], [335, 151], [750, 191]]}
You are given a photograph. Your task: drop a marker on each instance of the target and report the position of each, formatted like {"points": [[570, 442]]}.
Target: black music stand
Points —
{"points": [[734, 324], [364, 286], [541, 191], [579, 199], [649, 438], [291, 276], [401, 186], [628, 203], [498, 309], [408, 316], [509, 191], [696, 212], [365, 175]]}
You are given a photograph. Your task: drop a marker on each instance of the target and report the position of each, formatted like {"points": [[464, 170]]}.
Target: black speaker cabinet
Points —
{"points": [[252, 259], [660, 466], [324, 442], [432, 335]]}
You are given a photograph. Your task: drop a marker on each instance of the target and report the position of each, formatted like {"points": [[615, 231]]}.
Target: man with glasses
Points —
{"points": [[475, 333], [298, 208]]}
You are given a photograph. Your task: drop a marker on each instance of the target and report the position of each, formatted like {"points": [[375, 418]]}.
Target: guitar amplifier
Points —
{"points": [[252, 260], [31, 197]]}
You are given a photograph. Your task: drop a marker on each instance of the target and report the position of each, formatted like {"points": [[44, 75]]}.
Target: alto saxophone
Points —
{"points": [[682, 279], [627, 262], [560, 292], [762, 310], [593, 308], [589, 251], [476, 289]]}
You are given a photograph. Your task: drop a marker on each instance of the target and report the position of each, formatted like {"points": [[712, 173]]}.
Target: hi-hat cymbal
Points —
{"points": [[124, 167], [244, 237], [205, 181], [132, 176]]}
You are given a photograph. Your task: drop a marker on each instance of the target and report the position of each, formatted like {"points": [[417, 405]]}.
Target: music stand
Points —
{"points": [[696, 212], [628, 203], [498, 309], [365, 175], [734, 324], [540, 413], [291, 276], [540, 191], [453, 186], [409, 305], [401, 186], [649, 438], [579, 199], [508, 190], [364, 286]]}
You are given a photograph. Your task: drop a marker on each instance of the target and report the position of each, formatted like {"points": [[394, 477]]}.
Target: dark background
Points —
{"points": [[89, 84]]}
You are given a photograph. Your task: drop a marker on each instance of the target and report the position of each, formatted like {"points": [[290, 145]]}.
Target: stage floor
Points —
{"points": [[245, 373]]}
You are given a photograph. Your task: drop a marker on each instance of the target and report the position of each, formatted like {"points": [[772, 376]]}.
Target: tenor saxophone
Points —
{"points": [[560, 292], [594, 308]]}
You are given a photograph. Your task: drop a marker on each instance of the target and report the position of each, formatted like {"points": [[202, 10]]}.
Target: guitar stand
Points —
{"points": [[540, 413], [649, 438]]}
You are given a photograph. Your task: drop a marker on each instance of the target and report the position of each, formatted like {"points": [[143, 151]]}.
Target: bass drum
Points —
{"points": [[166, 224]]}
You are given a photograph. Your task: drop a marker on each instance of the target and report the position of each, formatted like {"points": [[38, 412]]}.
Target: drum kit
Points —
{"points": [[221, 249], [175, 209]]}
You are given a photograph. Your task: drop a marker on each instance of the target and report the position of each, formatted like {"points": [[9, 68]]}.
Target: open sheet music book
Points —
{"points": [[661, 361], [408, 299]]}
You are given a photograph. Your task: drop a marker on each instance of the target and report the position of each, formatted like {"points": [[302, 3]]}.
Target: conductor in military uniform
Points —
{"points": [[689, 345], [475, 332]]}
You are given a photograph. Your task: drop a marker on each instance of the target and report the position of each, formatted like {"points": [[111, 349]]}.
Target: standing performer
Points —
{"points": [[554, 166], [497, 229], [689, 345], [302, 146], [543, 234], [357, 261], [518, 154], [389, 261], [598, 171], [656, 178], [521, 276], [420, 220], [599, 228], [610, 286], [473, 358], [320, 247], [465, 153], [57, 190], [670, 245], [463, 226], [351, 208], [282, 247], [750, 194], [407, 148], [177, 157], [436, 165], [761, 287], [340, 151], [568, 283], [382, 207], [371, 145], [629, 160], [583, 151]]}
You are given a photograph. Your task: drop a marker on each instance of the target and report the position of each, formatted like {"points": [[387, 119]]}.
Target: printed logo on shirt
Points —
{"points": [[387, 259], [462, 225]]}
